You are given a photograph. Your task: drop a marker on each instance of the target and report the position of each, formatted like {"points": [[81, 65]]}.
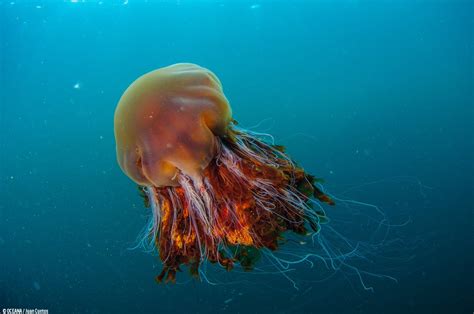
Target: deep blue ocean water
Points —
{"points": [[376, 97]]}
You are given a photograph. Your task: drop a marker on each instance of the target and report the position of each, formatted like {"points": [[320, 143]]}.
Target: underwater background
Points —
{"points": [[376, 97]]}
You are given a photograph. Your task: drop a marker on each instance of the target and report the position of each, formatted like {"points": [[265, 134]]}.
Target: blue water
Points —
{"points": [[376, 97]]}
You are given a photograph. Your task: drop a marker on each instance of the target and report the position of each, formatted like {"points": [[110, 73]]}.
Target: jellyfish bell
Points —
{"points": [[166, 122], [217, 192]]}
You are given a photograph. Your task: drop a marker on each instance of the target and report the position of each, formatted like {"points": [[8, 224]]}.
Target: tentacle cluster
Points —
{"points": [[249, 195]]}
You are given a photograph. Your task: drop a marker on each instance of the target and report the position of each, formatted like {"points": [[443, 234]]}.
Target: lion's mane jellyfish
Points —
{"points": [[217, 192]]}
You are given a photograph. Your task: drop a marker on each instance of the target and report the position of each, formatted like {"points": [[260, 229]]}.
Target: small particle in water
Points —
{"points": [[101, 137], [125, 2], [228, 301], [77, 86], [38, 7], [36, 285], [12, 177], [255, 6], [331, 172]]}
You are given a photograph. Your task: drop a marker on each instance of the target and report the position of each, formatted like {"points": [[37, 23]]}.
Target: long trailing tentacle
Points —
{"points": [[248, 197]]}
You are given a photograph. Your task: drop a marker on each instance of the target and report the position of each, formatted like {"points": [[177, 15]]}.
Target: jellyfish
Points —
{"points": [[217, 192]]}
